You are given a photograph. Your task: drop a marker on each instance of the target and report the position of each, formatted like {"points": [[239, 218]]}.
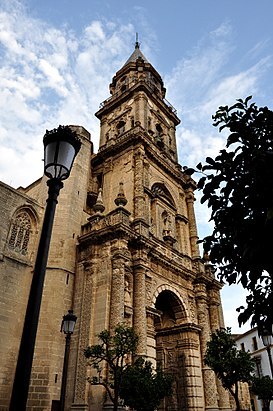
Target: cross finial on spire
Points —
{"points": [[137, 43]]}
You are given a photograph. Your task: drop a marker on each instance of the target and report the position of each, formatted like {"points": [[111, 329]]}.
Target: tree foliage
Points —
{"points": [[110, 359], [263, 388], [142, 388], [238, 187], [230, 365]]}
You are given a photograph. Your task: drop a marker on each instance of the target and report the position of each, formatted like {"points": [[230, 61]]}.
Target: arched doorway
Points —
{"points": [[168, 324]]}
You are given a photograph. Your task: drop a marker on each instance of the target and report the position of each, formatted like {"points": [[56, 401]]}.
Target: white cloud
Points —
{"points": [[54, 79], [48, 77], [95, 32]]}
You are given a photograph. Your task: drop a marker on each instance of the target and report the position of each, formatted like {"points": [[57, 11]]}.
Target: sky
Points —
{"points": [[57, 58]]}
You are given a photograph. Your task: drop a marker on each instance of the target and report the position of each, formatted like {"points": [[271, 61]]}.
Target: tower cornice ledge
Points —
{"points": [[117, 99], [206, 279], [137, 136]]}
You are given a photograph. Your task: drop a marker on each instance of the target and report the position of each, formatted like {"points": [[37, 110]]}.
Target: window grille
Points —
{"points": [[20, 233]]}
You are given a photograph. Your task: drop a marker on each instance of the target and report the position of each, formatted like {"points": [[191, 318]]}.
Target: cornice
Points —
{"points": [[141, 85], [177, 329], [117, 225], [211, 282], [138, 136]]}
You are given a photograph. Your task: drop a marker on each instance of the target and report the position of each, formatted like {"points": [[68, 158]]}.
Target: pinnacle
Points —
{"points": [[137, 54]]}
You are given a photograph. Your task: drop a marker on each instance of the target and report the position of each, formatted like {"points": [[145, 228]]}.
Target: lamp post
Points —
{"points": [[267, 340], [67, 327], [61, 146]]}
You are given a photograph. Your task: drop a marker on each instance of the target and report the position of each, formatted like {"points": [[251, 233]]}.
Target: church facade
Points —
{"points": [[123, 250]]}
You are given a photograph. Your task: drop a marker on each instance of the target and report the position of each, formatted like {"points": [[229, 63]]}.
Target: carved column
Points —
{"points": [[82, 307], [137, 109], [103, 131], [189, 362], [214, 302], [192, 224], [117, 289], [143, 110], [139, 301], [174, 148], [215, 323], [152, 313], [146, 183], [181, 222], [210, 388], [139, 199]]}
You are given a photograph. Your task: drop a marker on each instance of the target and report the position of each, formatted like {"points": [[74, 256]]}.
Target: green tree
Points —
{"points": [[230, 365], [263, 388], [110, 359], [142, 388], [238, 187]]}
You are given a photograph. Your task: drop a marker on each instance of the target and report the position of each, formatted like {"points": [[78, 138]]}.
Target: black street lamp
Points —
{"points": [[61, 146], [67, 327], [267, 341]]}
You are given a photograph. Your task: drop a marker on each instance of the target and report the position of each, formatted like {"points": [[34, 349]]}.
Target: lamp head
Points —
{"points": [[61, 146], [68, 322]]}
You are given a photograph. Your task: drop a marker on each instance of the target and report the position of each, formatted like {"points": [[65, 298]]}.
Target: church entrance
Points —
{"points": [[169, 353]]}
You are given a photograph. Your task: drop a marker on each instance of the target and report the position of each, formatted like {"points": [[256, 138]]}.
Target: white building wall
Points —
{"points": [[252, 343]]}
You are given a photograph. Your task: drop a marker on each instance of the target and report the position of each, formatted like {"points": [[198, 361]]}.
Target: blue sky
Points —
{"points": [[58, 58]]}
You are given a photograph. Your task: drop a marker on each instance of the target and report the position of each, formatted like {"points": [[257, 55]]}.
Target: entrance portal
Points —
{"points": [[169, 355]]}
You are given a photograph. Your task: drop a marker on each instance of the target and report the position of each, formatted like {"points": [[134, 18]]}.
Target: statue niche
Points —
{"points": [[163, 211]]}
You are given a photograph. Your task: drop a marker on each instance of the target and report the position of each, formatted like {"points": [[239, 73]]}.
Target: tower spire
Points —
{"points": [[137, 43]]}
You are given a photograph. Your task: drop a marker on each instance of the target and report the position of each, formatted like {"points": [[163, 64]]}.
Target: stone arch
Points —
{"points": [[123, 83], [160, 190], [23, 229], [172, 297]]}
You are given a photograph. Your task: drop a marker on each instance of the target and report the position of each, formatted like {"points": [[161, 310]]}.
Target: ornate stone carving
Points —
{"points": [[80, 382], [192, 310]]}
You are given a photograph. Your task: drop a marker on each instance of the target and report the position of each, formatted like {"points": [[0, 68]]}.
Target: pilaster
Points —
{"points": [[83, 307], [139, 198], [214, 304], [210, 388], [139, 300], [192, 224], [117, 288], [189, 358]]}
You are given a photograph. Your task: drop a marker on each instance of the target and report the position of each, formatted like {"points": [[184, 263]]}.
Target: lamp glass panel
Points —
{"points": [[59, 156], [68, 326], [50, 151], [66, 155]]}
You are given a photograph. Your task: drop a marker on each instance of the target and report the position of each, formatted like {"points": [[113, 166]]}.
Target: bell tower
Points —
{"points": [[138, 257]]}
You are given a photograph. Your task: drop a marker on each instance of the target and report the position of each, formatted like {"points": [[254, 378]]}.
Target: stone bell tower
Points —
{"points": [[138, 258]]}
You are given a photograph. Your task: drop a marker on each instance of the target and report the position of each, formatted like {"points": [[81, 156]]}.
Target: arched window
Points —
{"points": [[121, 127], [159, 190], [20, 233], [159, 130], [159, 136], [123, 84], [162, 213]]}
